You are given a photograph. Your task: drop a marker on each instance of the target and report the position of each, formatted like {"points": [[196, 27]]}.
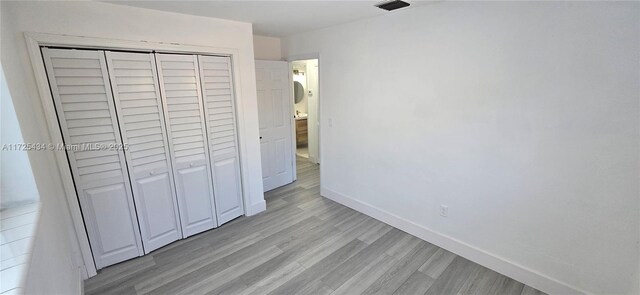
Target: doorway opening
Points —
{"points": [[306, 97]]}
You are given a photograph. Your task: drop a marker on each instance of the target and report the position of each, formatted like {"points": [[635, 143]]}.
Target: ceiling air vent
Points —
{"points": [[392, 5]]}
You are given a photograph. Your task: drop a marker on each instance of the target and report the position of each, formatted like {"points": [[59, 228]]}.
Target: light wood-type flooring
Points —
{"points": [[302, 244]]}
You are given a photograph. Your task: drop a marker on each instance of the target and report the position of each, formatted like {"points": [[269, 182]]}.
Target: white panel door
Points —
{"points": [[137, 98], [184, 116], [84, 104], [274, 112], [219, 108]]}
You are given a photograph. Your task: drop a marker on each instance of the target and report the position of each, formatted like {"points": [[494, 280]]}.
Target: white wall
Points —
{"points": [[54, 259], [266, 48], [522, 117], [95, 19], [16, 178]]}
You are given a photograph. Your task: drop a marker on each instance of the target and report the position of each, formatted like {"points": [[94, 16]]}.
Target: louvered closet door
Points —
{"points": [[217, 89], [137, 98], [180, 88], [82, 95]]}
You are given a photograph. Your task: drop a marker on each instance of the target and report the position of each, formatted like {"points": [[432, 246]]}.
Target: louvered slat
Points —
{"points": [[97, 161], [141, 118], [145, 139]]}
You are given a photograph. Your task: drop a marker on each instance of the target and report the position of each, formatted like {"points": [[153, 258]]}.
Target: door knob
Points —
{"points": [[151, 173], [190, 164], [260, 137]]}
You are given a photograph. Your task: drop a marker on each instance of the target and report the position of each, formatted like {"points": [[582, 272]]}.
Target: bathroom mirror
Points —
{"points": [[298, 92]]}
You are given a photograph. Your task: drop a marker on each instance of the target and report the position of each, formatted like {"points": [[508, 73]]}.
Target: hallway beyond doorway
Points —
{"points": [[306, 106]]}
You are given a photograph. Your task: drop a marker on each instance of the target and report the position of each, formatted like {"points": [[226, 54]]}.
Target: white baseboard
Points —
{"points": [[486, 259], [254, 209]]}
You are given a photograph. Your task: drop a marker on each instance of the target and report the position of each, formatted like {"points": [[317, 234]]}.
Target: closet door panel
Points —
{"points": [[139, 109], [190, 180], [180, 87], [84, 104], [227, 172], [217, 89], [109, 199], [154, 194]]}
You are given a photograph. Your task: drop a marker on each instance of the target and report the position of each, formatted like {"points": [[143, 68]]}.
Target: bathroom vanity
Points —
{"points": [[301, 131]]}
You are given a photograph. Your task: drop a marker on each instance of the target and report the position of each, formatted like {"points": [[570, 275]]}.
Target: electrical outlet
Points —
{"points": [[444, 210]]}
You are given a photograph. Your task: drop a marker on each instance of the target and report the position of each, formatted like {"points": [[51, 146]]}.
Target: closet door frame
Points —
{"points": [[253, 198]]}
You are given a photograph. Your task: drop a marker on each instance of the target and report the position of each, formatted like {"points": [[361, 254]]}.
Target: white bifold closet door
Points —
{"points": [[139, 108], [84, 104], [182, 99], [219, 109]]}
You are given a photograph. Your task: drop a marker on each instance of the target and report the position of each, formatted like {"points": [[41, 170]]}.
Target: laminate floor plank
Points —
{"points": [[481, 282], [302, 244], [111, 278], [274, 279], [530, 291], [354, 264], [174, 285], [404, 245], [201, 282], [437, 263], [417, 283], [454, 277], [393, 278], [175, 268], [375, 232], [292, 250], [316, 287], [506, 285], [333, 243], [232, 287], [321, 268], [366, 277], [280, 237]]}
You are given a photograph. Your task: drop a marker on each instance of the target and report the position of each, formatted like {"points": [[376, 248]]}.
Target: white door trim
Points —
{"points": [[35, 40], [294, 142]]}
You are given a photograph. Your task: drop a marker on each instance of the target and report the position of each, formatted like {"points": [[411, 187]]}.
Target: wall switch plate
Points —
{"points": [[330, 121], [444, 210]]}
